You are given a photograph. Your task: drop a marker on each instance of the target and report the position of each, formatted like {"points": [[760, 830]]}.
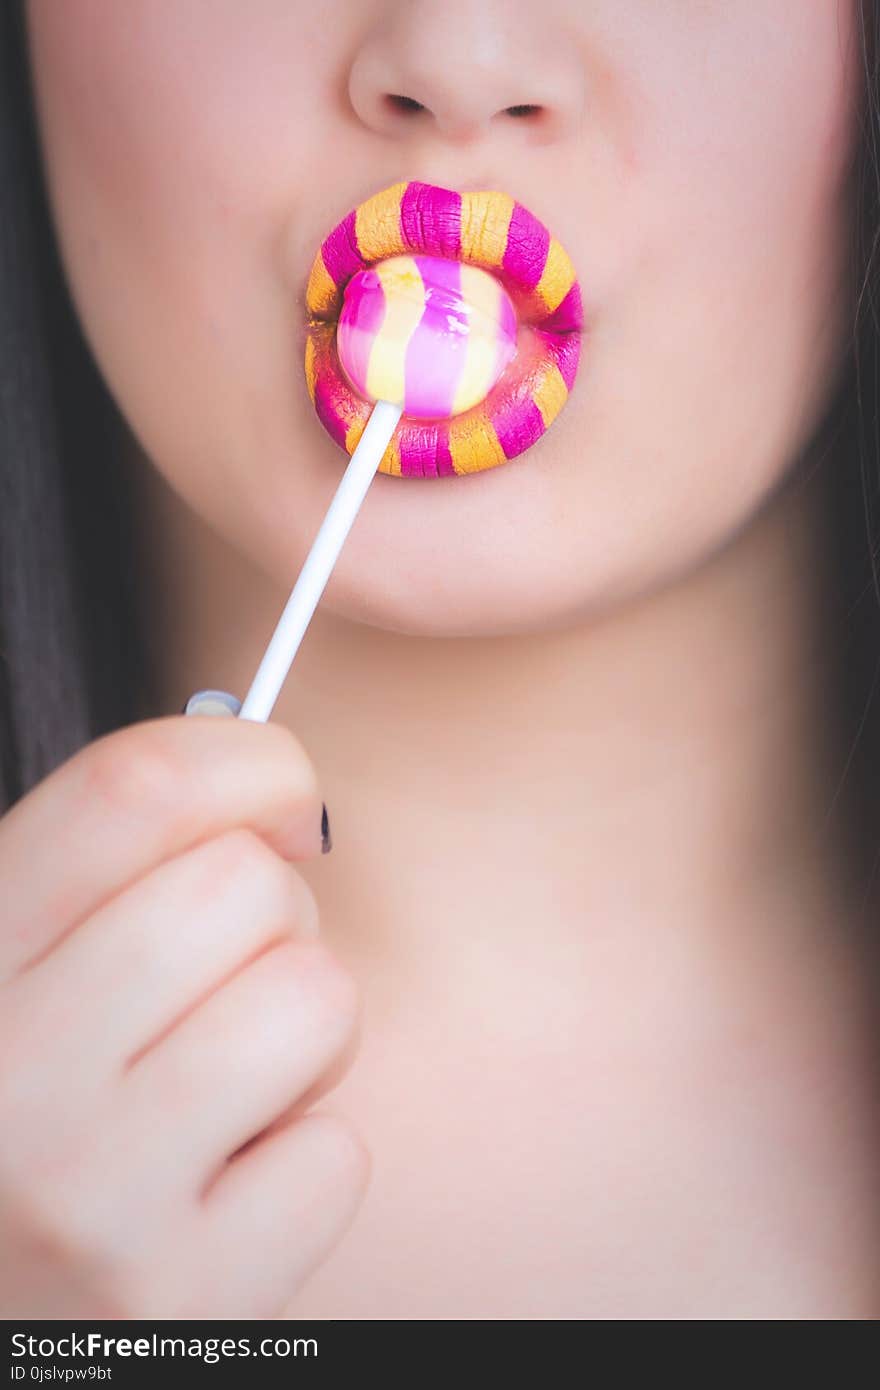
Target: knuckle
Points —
{"points": [[332, 989], [16, 1065], [349, 1160], [28, 1074], [306, 1012], [50, 1154], [241, 854], [17, 1119], [240, 858], [63, 1214], [301, 770], [126, 771], [137, 1294], [306, 913]]}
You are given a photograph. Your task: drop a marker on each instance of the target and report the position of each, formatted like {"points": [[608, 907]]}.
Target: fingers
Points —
{"points": [[150, 955], [290, 1197], [231, 1067], [121, 806]]}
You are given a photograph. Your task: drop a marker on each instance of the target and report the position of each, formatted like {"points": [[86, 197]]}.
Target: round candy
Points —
{"points": [[427, 333]]}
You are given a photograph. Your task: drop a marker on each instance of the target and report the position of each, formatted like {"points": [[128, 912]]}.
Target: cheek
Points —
{"points": [[715, 352], [764, 217], [178, 143]]}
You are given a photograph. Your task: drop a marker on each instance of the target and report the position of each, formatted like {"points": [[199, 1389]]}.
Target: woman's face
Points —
{"points": [[690, 155]]}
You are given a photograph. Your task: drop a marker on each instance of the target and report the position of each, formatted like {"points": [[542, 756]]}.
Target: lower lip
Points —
{"points": [[528, 395]]}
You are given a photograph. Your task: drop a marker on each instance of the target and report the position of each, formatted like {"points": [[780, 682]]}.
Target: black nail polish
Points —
{"points": [[326, 841]]}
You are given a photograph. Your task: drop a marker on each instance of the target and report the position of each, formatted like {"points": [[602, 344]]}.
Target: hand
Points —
{"points": [[167, 1014]]}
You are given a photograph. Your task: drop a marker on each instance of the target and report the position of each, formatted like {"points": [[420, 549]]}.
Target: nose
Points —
{"points": [[457, 68]]}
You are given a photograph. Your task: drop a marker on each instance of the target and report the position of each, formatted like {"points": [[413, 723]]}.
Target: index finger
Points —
{"points": [[133, 798]]}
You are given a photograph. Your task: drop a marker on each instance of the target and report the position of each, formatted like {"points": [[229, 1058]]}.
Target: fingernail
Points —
{"points": [[326, 841], [212, 702]]}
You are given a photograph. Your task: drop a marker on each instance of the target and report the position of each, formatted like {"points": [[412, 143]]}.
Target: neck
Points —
{"points": [[599, 859], [677, 751]]}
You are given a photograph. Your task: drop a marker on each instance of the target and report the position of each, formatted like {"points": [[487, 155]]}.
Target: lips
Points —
{"points": [[486, 229]]}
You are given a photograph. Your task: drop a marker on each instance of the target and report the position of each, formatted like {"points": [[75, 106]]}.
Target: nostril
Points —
{"points": [[409, 106], [400, 103]]}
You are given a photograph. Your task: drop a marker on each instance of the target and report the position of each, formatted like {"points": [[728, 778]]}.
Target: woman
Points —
{"points": [[586, 988]]}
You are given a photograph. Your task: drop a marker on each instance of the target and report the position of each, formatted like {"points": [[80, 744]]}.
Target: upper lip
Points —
{"points": [[484, 228]]}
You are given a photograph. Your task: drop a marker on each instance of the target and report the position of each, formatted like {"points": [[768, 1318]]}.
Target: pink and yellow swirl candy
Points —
{"points": [[428, 333]]}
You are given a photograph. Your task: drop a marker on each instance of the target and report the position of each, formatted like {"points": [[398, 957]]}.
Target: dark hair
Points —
{"points": [[73, 659], [71, 654]]}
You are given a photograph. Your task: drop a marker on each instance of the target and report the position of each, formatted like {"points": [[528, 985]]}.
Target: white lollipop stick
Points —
{"points": [[306, 593]]}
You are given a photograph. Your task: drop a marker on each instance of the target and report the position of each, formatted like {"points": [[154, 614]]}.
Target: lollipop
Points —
{"points": [[406, 320], [429, 334]]}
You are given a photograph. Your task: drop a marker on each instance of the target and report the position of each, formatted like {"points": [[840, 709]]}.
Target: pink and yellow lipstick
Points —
{"points": [[461, 307]]}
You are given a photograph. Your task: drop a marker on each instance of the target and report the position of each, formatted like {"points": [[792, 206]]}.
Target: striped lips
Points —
{"points": [[485, 229]]}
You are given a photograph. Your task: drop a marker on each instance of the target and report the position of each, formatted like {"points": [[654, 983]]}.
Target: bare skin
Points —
{"points": [[569, 715], [616, 1058]]}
